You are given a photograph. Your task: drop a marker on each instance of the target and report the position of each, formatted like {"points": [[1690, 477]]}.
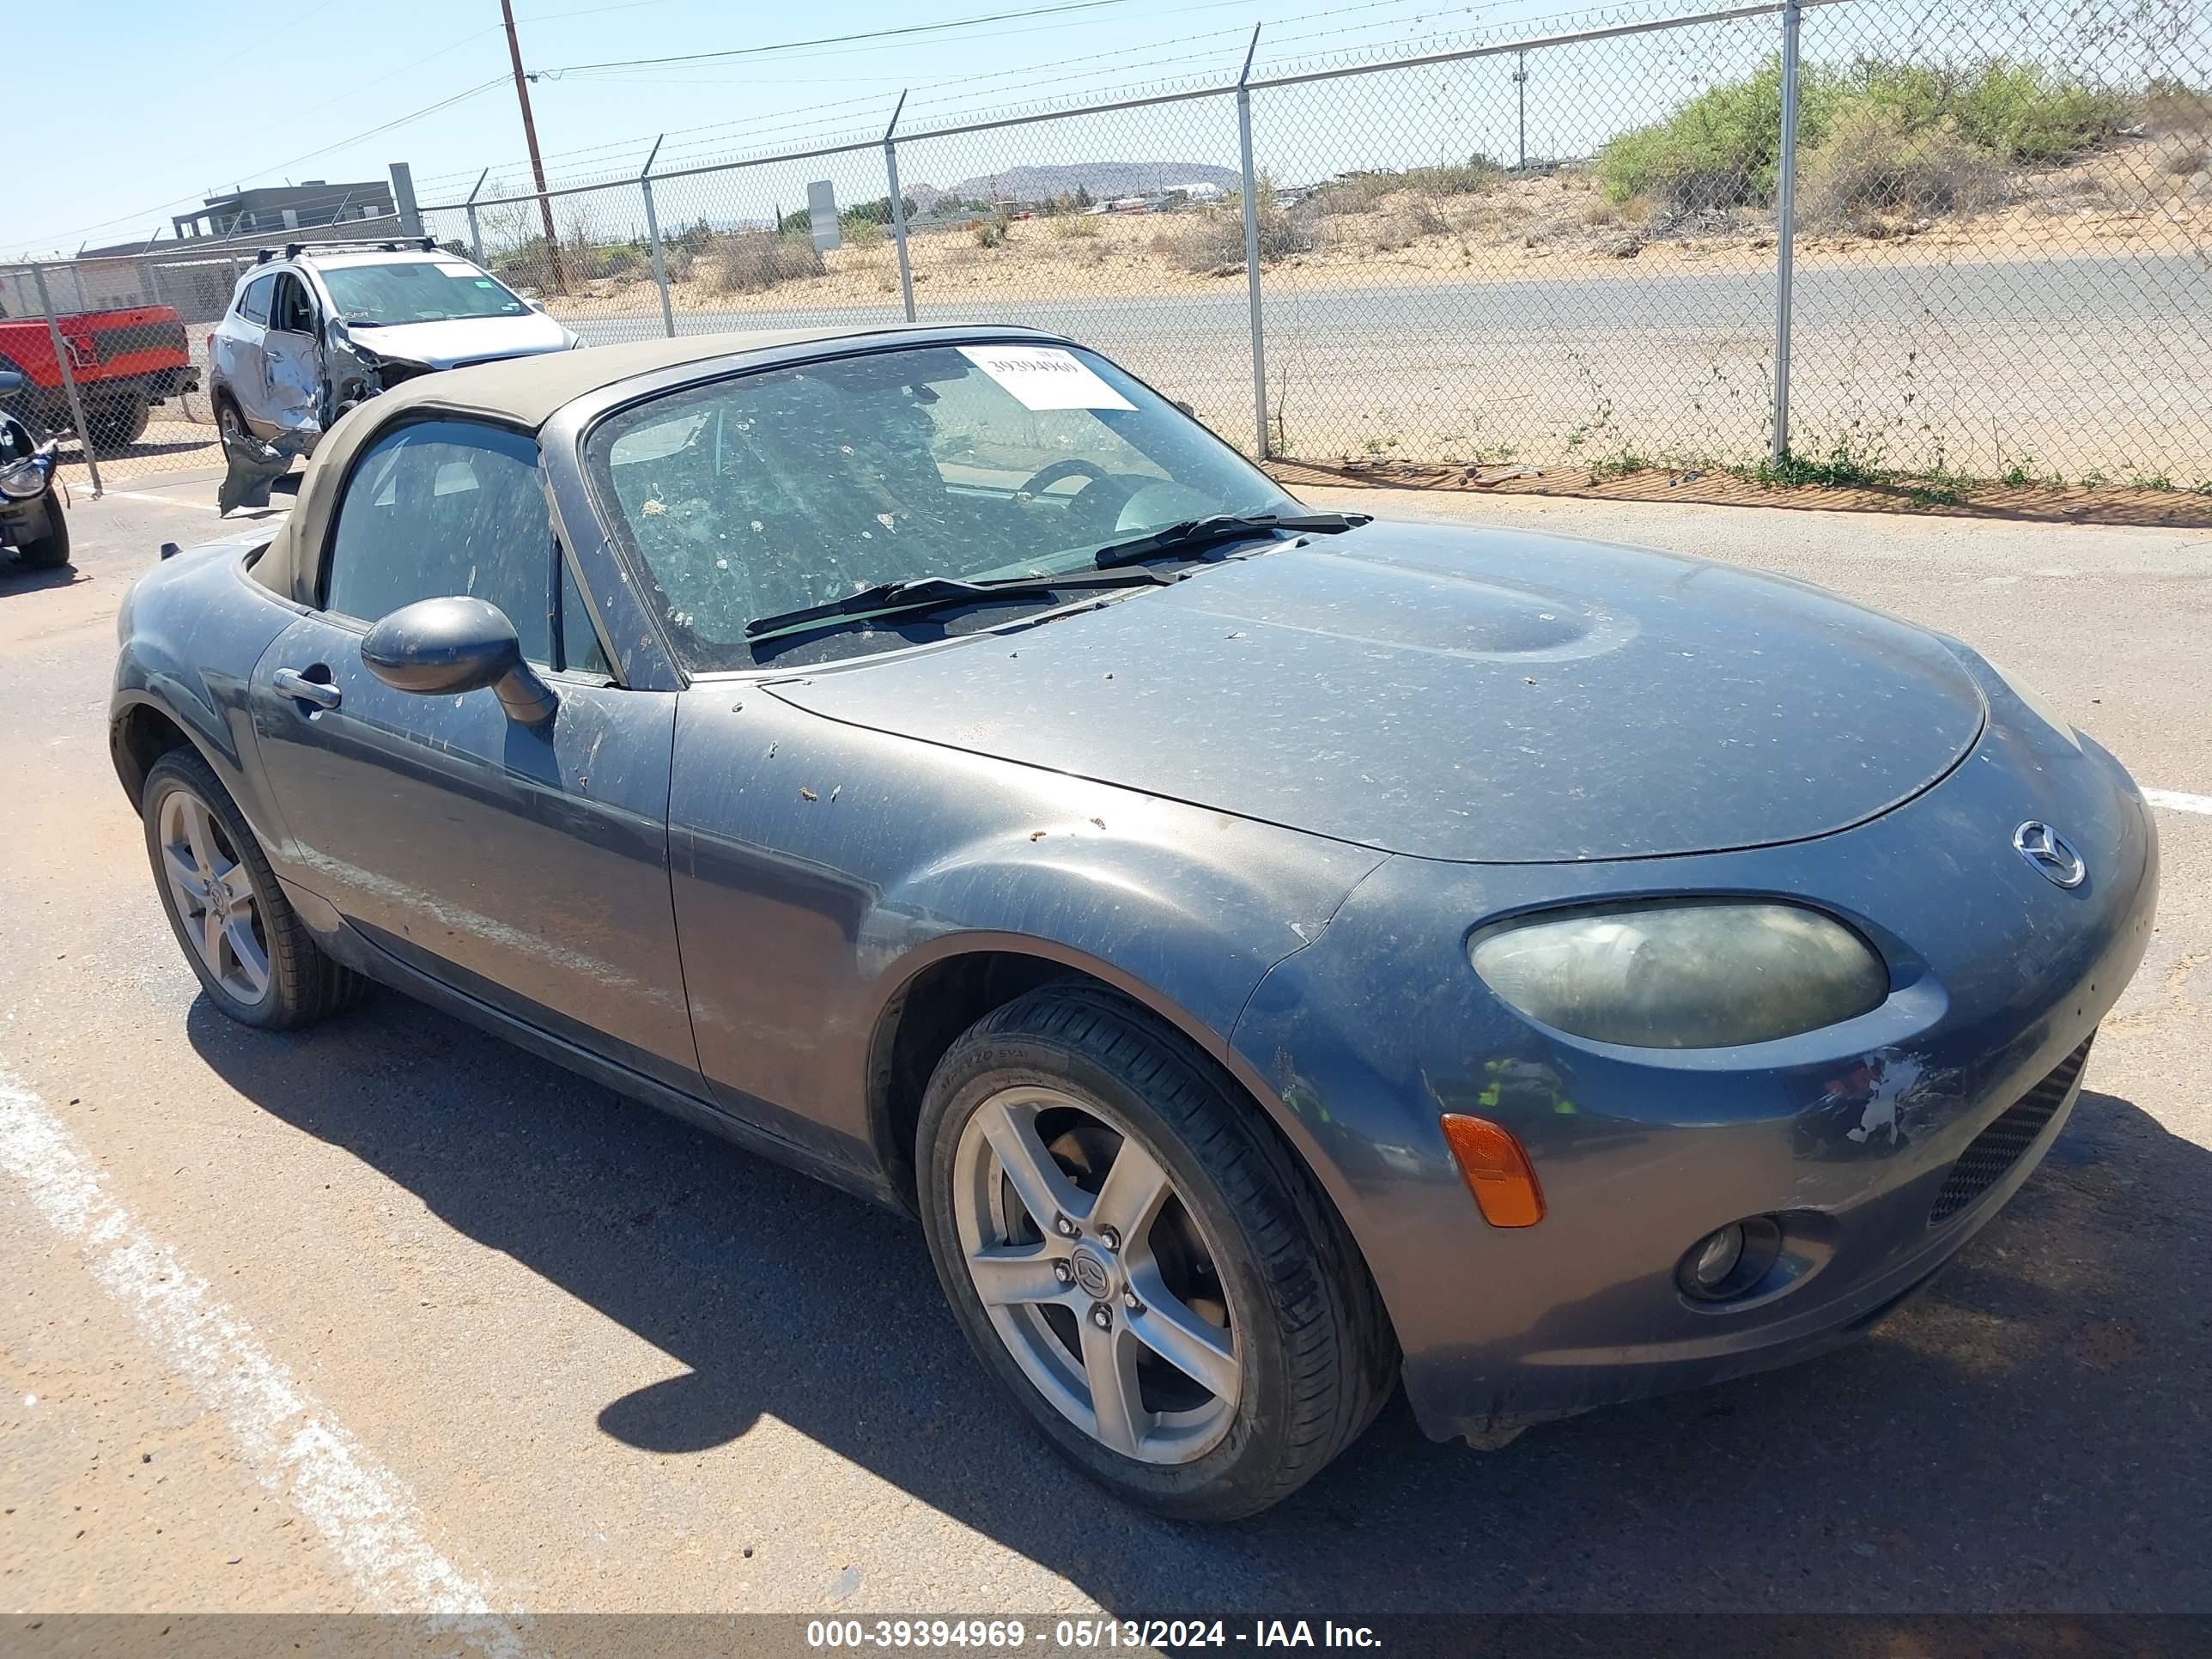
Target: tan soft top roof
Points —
{"points": [[519, 391]]}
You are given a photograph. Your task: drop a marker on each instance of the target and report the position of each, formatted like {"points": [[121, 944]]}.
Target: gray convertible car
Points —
{"points": [[1278, 954]]}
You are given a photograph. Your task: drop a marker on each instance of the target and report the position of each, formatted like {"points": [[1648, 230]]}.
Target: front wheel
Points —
{"points": [[1141, 1262], [254, 956]]}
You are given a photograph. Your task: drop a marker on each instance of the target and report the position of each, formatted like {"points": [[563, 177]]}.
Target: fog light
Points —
{"points": [[1732, 1264], [1711, 1263]]}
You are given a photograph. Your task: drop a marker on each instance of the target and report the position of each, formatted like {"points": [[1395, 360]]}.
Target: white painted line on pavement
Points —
{"points": [[2175, 800], [165, 501], [296, 1448]]}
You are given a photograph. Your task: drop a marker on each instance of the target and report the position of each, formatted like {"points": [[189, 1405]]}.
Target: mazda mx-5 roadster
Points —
{"points": [[1278, 955]]}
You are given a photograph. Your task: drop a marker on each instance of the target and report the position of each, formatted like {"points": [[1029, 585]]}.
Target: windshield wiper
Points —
{"points": [[927, 593], [1193, 533]]}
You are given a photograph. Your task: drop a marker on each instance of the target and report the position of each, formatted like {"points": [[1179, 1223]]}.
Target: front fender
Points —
{"points": [[821, 869]]}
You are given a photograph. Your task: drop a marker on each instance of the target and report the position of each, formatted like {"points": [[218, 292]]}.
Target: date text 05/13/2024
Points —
{"points": [[1084, 1635]]}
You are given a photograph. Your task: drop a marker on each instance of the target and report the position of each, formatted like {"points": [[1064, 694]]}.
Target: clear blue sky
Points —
{"points": [[186, 97]]}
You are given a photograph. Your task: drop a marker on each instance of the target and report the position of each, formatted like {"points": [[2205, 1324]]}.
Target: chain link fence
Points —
{"points": [[1830, 237]]}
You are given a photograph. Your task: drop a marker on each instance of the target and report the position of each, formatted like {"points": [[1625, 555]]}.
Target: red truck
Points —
{"points": [[125, 361]]}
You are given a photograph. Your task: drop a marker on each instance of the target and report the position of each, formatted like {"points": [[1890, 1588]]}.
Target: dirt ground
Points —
{"points": [[2151, 195]]}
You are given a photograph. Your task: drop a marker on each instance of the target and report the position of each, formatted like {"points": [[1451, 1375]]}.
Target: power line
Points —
{"points": [[842, 40], [814, 118]]}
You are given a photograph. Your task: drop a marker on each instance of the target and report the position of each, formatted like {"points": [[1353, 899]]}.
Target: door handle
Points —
{"points": [[291, 683]]}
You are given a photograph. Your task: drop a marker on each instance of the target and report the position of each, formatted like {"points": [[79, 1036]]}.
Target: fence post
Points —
{"points": [[898, 208], [653, 241], [1785, 230], [1521, 86], [475, 231], [1252, 242], [68, 378]]}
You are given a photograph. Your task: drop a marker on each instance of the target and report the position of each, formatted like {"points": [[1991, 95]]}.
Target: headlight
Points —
{"points": [[2038, 704], [21, 480], [1694, 974]]}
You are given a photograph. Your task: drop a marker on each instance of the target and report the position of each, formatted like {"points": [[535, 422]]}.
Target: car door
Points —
{"points": [[524, 865], [237, 349], [292, 357]]}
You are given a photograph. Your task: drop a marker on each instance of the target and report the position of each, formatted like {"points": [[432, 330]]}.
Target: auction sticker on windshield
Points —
{"points": [[1045, 377]]}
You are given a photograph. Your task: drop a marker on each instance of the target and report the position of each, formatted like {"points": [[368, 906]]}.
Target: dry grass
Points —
{"points": [[1874, 171], [1213, 242], [753, 261]]}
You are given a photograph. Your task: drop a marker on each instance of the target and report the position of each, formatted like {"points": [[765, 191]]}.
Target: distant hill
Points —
{"points": [[1103, 180]]}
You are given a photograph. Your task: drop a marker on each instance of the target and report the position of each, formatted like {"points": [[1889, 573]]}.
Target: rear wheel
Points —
{"points": [[1139, 1260], [51, 549], [254, 956], [230, 423], [121, 422]]}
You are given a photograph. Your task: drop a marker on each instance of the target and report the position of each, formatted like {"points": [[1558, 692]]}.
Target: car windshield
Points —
{"points": [[418, 291], [768, 492]]}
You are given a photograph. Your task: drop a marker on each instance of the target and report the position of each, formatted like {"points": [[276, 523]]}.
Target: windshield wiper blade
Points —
{"points": [[1193, 533], [927, 593]]}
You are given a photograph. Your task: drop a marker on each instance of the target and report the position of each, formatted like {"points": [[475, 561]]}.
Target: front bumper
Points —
{"points": [[1847, 1134], [24, 521]]}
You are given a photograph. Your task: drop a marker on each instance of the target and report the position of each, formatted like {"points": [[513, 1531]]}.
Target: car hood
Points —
{"points": [[1487, 696], [464, 339]]}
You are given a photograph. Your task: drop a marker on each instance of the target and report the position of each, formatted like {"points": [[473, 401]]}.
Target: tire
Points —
{"points": [[1302, 1341], [229, 421], [296, 983], [50, 550], [119, 425]]}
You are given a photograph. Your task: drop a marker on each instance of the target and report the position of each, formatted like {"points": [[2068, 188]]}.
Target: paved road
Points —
{"points": [[571, 1355], [2073, 365], [2069, 364]]}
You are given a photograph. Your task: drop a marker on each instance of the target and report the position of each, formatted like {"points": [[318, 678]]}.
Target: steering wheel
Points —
{"points": [[1096, 505]]}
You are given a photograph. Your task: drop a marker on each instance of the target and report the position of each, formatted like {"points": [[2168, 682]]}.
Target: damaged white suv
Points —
{"points": [[311, 332]]}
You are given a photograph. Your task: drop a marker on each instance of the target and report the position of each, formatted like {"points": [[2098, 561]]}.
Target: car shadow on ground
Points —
{"points": [[2032, 1434], [16, 577]]}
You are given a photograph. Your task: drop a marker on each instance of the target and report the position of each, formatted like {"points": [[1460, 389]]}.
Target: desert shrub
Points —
{"points": [[592, 260], [2172, 106], [1074, 227], [863, 233], [1214, 240], [2026, 113], [1720, 149], [752, 261], [1404, 225], [1871, 164], [1717, 150], [992, 229], [1361, 192]]}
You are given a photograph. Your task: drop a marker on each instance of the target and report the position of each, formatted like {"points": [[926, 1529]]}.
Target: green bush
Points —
{"points": [[1720, 149]]}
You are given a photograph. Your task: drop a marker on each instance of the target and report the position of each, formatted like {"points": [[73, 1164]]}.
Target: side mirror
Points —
{"points": [[10, 381], [444, 647], [536, 305]]}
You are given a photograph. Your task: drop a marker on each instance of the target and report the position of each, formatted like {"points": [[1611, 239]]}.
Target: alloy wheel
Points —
{"points": [[1096, 1275], [213, 893]]}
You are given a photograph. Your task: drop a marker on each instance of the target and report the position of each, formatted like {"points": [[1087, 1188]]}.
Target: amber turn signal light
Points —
{"points": [[1497, 1170]]}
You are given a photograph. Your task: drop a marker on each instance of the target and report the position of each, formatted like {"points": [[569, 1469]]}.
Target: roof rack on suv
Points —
{"points": [[397, 244]]}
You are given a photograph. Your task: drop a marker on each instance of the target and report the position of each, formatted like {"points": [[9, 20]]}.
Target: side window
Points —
{"points": [[440, 508], [291, 311], [580, 640], [253, 304]]}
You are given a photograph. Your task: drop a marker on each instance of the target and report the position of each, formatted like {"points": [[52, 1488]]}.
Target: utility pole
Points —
{"points": [[530, 137]]}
